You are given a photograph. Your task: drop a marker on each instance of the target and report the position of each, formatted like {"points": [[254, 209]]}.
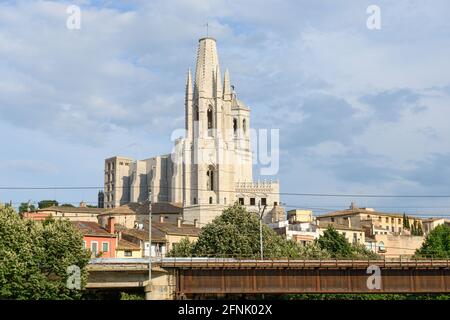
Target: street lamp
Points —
{"points": [[261, 213]]}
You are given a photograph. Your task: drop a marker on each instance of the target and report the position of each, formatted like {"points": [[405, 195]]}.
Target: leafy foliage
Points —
{"points": [[436, 244], [184, 248], [47, 203], [34, 258], [405, 222], [338, 246], [236, 233], [24, 206]]}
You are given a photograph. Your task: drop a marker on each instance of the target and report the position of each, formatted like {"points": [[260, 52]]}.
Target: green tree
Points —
{"points": [[24, 207], [407, 224], [47, 203], [419, 229], [436, 244], [405, 221], [184, 248], [236, 233], [68, 205], [34, 257], [335, 243], [338, 246]]}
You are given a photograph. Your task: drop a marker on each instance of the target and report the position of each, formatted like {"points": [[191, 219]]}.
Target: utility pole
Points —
{"points": [[260, 228], [149, 290]]}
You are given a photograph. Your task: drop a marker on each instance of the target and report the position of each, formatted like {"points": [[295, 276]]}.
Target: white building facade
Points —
{"points": [[211, 166]]}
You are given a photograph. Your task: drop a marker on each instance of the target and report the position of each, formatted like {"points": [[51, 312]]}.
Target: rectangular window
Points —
{"points": [[263, 201], [252, 201], [105, 247], [94, 247], [387, 220], [84, 244], [241, 201], [128, 253]]}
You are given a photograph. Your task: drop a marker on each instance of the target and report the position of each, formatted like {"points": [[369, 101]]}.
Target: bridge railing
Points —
{"points": [[250, 261]]}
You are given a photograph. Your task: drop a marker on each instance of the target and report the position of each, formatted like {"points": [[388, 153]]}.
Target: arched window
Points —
{"points": [[210, 181], [195, 201], [210, 200], [381, 246], [235, 124], [210, 118], [244, 125]]}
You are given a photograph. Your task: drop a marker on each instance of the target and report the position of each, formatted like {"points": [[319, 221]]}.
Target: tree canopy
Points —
{"points": [[235, 233], [436, 244], [338, 246], [35, 256], [24, 206], [47, 203]]}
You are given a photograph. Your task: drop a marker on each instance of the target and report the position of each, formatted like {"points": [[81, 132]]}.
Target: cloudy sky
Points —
{"points": [[359, 111]]}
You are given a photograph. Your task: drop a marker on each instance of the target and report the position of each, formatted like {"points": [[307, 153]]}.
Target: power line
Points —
{"points": [[234, 191]]}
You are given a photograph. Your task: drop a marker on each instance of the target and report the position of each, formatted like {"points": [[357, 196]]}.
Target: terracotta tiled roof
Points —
{"points": [[172, 228], [338, 226], [92, 229], [127, 245], [157, 235], [73, 210], [165, 207], [143, 208], [349, 212]]}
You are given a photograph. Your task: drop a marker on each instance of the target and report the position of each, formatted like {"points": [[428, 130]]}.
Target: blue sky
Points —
{"points": [[359, 111]]}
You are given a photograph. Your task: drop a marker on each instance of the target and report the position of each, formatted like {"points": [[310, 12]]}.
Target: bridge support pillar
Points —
{"points": [[161, 288]]}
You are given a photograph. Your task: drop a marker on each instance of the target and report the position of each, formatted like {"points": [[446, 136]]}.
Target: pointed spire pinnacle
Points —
{"points": [[189, 90], [227, 86], [207, 64], [218, 84]]}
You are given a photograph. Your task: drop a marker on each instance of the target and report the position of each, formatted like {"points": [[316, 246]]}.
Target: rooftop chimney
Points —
{"points": [[111, 222]]}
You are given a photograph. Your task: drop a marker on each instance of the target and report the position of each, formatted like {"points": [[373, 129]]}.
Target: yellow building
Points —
{"points": [[127, 249], [352, 234], [368, 218], [299, 215]]}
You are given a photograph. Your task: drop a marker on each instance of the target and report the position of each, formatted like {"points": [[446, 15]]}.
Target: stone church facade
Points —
{"points": [[211, 166]]}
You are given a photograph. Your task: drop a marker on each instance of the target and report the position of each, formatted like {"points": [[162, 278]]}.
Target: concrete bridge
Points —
{"points": [[176, 278]]}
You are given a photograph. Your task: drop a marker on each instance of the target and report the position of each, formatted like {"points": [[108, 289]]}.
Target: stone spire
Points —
{"points": [[188, 102], [206, 68], [227, 86], [218, 84], [189, 90]]}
